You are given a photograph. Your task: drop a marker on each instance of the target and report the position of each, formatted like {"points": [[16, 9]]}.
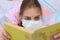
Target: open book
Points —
{"points": [[20, 33]]}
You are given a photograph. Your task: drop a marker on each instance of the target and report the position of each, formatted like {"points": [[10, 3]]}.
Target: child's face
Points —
{"points": [[31, 14]]}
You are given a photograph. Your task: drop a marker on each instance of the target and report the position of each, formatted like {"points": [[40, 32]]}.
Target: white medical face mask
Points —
{"points": [[32, 25]]}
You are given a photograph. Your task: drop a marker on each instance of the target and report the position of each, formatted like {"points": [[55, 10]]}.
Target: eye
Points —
{"points": [[27, 18], [37, 18]]}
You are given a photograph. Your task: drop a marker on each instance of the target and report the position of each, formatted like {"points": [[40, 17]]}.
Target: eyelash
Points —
{"points": [[28, 18]]}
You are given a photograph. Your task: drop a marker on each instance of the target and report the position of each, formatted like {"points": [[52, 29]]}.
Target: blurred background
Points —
{"points": [[50, 5]]}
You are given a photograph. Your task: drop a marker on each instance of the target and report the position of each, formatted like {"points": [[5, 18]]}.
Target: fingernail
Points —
{"points": [[55, 36]]}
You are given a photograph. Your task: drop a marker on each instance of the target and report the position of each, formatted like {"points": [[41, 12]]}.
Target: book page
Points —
{"points": [[44, 33], [17, 33]]}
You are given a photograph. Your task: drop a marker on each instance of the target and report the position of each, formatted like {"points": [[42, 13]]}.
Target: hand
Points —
{"points": [[4, 36], [55, 37]]}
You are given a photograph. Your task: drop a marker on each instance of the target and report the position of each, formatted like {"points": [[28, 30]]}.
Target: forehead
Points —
{"points": [[31, 12]]}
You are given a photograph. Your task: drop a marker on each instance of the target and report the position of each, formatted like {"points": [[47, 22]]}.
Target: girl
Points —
{"points": [[31, 18], [30, 14]]}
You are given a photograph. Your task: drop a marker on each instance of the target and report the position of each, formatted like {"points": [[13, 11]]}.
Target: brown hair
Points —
{"points": [[27, 4]]}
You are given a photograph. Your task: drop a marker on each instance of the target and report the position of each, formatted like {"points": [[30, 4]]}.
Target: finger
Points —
{"points": [[3, 37], [5, 34], [0, 36], [57, 36], [52, 37]]}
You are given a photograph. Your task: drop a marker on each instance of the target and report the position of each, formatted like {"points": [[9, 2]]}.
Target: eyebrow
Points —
{"points": [[37, 16], [27, 16], [30, 17]]}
